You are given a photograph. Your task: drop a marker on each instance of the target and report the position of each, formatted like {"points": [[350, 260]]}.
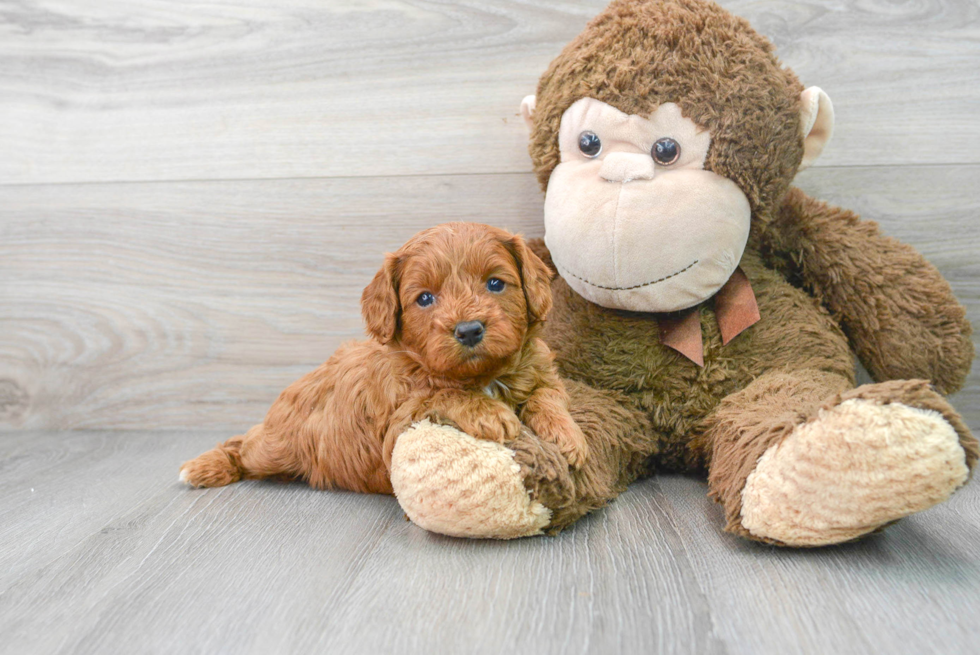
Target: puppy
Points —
{"points": [[454, 315]]}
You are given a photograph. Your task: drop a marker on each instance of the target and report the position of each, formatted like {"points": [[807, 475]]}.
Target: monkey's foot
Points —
{"points": [[448, 482], [856, 467]]}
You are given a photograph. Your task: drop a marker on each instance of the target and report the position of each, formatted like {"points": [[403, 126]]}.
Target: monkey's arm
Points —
{"points": [[895, 307]]}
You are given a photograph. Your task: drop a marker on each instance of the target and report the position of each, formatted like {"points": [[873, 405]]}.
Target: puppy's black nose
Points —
{"points": [[469, 333]]}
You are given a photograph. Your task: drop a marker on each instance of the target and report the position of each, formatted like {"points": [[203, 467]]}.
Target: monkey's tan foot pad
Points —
{"points": [[854, 468], [448, 482]]}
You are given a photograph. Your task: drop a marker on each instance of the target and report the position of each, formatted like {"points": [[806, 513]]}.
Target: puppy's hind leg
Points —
{"points": [[215, 468], [249, 455]]}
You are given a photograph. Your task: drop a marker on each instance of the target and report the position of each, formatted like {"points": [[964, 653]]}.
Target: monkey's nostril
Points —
{"points": [[469, 333]]}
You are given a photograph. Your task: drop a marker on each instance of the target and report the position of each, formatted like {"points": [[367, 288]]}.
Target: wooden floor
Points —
{"points": [[102, 551], [193, 195]]}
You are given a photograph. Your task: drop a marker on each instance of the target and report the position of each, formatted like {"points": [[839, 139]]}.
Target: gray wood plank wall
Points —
{"points": [[192, 196]]}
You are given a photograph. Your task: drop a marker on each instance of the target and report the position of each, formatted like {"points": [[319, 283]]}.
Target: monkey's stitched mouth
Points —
{"points": [[635, 286]]}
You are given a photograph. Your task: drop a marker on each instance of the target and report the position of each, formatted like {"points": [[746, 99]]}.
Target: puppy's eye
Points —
{"points": [[666, 151], [425, 299], [589, 144], [494, 285]]}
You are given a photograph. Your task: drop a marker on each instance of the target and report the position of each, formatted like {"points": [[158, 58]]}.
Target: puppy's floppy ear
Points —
{"points": [[379, 302], [535, 276]]}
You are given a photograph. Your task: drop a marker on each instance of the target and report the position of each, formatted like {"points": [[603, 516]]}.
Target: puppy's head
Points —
{"points": [[461, 297]]}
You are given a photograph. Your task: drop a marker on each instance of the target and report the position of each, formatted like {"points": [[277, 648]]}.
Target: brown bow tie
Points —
{"points": [[735, 308]]}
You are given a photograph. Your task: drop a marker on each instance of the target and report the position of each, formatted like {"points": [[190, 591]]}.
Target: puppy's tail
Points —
{"points": [[219, 466]]}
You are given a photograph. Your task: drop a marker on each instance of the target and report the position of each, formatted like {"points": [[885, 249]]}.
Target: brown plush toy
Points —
{"points": [[706, 312]]}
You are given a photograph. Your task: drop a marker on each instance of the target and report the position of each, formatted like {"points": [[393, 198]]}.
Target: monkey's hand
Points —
{"points": [[896, 308]]}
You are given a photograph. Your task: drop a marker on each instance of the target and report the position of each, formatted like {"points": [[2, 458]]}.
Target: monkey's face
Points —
{"points": [[632, 219]]}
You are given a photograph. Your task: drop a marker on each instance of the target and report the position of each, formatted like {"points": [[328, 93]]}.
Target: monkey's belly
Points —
{"points": [[618, 350]]}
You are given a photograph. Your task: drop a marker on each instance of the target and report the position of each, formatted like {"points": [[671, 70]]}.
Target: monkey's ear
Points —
{"points": [[817, 121], [535, 276], [527, 110], [379, 302]]}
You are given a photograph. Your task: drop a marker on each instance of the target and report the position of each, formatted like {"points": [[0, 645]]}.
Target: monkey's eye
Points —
{"points": [[589, 144], [494, 285], [666, 151], [425, 299]]}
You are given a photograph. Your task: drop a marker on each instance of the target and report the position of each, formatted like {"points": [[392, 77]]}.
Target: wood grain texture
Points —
{"points": [[155, 90], [118, 557], [194, 304], [156, 306]]}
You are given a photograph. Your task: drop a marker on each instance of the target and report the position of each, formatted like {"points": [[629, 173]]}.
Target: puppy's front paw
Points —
{"points": [[570, 440], [573, 446], [495, 423], [481, 418], [561, 430], [476, 415]]}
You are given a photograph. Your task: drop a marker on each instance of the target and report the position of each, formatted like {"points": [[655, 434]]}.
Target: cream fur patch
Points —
{"points": [[626, 232], [817, 121], [858, 466], [450, 483]]}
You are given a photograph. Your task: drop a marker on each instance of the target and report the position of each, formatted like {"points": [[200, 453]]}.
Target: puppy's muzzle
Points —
{"points": [[469, 333]]}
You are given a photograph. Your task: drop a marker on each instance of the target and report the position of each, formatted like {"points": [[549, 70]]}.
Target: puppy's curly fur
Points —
{"points": [[336, 427]]}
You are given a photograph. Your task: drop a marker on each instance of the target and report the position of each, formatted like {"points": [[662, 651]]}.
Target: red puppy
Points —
{"points": [[454, 315]]}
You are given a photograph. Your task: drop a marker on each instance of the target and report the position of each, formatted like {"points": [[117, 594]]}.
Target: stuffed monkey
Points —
{"points": [[706, 313]]}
